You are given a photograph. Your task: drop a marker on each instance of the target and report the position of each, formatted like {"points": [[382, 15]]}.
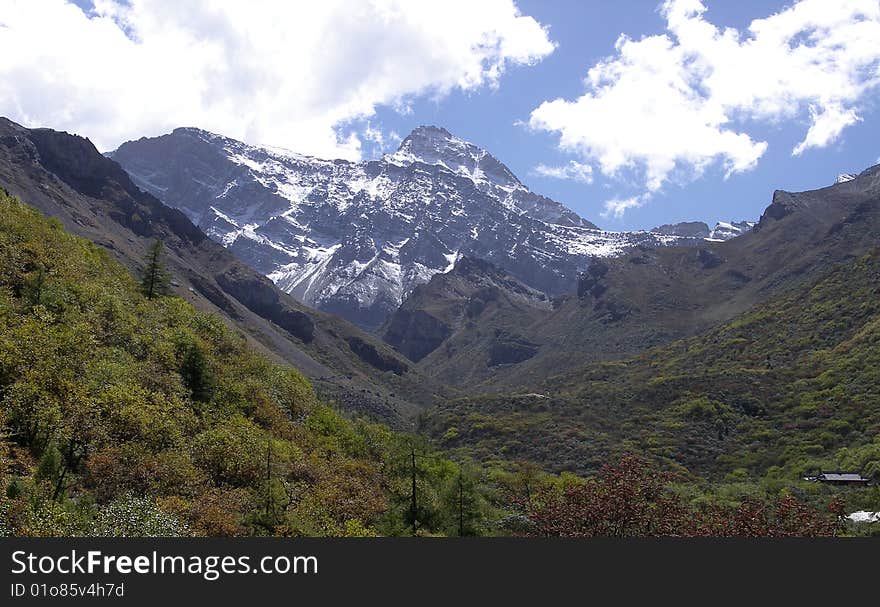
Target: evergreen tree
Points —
{"points": [[156, 278], [196, 373], [462, 504]]}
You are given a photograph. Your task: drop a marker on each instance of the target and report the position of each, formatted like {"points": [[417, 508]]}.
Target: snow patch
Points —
{"points": [[863, 516]]}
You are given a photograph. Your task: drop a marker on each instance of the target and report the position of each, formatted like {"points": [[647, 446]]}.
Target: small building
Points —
{"points": [[839, 477]]}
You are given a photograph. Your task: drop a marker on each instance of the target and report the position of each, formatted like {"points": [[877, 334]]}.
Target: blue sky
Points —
{"points": [[686, 121], [585, 33]]}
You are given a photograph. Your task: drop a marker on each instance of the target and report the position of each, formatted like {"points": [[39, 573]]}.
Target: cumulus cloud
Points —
{"points": [[669, 106], [280, 73], [574, 170]]}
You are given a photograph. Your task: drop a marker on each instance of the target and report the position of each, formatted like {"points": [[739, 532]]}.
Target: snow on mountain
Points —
{"points": [[724, 230], [355, 238], [844, 177]]}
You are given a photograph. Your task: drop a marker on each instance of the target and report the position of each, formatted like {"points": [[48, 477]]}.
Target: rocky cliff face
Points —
{"points": [[355, 239]]}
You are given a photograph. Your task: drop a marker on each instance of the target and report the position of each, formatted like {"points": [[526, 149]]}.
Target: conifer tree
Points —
{"points": [[196, 373], [156, 278]]}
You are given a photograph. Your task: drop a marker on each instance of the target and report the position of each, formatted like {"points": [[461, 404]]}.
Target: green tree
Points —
{"points": [[49, 466], [196, 373], [156, 279], [463, 505]]}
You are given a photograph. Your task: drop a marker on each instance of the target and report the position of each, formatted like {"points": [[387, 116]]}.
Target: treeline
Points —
{"points": [[126, 412]]}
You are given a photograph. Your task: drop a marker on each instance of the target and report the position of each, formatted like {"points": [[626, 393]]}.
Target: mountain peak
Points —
{"points": [[428, 143], [196, 132], [433, 145], [429, 131]]}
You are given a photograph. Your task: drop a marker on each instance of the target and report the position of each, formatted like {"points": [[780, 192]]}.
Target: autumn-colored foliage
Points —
{"points": [[633, 499]]}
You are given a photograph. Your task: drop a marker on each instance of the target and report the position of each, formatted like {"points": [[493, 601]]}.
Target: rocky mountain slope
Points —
{"points": [[787, 387], [474, 301], [355, 239], [780, 378], [65, 177], [455, 326]]}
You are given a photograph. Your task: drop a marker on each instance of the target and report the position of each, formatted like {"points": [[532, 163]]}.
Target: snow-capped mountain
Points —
{"points": [[355, 238], [844, 177]]}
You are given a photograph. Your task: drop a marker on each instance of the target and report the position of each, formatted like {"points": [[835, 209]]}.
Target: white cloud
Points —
{"points": [[373, 134], [827, 124], [574, 170], [669, 106], [616, 207], [376, 140], [280, 73]]}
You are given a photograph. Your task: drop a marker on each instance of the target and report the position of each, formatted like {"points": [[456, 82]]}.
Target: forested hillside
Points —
{"points": [[125, 415]]}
